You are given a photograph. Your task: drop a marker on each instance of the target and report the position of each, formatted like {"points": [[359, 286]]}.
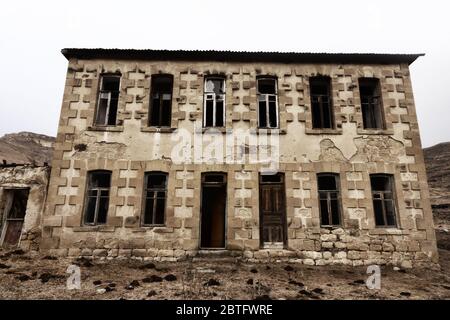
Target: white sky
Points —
{"points": [[32, 33]]}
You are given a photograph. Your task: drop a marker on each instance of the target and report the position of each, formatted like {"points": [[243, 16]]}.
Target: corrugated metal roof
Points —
{"points": [[239, 56]]}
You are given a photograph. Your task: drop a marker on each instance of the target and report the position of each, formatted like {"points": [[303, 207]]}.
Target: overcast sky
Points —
{"points": [[32, 33]]}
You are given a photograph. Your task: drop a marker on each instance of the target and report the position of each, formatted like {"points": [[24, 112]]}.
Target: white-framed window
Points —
{"points": [[267, 102], [214, 102]]}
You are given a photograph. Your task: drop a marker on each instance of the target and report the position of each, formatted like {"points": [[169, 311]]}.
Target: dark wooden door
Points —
{"points": [[12, 233], [15, 215], [272, 213]]}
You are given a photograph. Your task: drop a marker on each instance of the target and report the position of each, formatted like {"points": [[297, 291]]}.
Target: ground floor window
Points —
{"points": [[97, 199], [383, 196]]}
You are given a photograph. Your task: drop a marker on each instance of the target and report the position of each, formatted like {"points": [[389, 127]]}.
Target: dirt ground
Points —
{"points": [[25, 277]]}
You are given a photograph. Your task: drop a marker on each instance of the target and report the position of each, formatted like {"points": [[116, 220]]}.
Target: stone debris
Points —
{"points": [[212, 282], [148, 266], [288, 268], [23, 277], [170, 277], [152, 278], [151, 293]]}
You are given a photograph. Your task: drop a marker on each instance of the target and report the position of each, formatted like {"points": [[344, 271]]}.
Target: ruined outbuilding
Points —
{"points": [[23, 191], [347, 185]]}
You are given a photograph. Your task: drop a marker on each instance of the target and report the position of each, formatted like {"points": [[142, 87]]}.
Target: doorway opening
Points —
{"points": [[14, 216], [214, 199]]}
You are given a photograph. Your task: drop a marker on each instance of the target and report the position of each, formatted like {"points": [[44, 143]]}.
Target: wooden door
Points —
{"points": [[272, 212], [15, 214]]}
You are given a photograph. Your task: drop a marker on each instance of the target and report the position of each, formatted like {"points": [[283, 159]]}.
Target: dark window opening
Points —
{"points": [[272, 209], [155, 194], [161, 101], [329, 199], [267, 103], [214, 102], [214, 196], [97, 199], [371, 103], [383, 200], [321, 104], [271, 178], [214, 178], [108, 99], [14, 214]]}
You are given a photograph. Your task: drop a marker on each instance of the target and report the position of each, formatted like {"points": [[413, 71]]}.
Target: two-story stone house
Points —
{"points": [[159, 155]]}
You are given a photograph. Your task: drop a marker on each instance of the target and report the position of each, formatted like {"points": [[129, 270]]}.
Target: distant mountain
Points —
{"points": [[437, 161], [26, 147]]}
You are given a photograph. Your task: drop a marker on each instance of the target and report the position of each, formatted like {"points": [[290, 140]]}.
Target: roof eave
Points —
{"points": [[240, 56]]}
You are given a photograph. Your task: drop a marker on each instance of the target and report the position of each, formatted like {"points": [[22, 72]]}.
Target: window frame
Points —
{"points": [[155, 198], [214, 99], [328, 192], [267, 102], [384, 200], [376, 83], [160, 106], [325, 80], [97, 198], [109, 92]]}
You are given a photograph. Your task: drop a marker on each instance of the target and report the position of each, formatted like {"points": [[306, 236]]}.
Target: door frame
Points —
{"points": [[5, 215], [284, 213], [225, 184]]}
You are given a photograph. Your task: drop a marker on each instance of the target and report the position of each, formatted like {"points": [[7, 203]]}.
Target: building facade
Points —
{"points": [[315, 158]]}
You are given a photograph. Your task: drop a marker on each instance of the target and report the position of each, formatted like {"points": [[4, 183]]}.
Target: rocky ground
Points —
{"points": [[31, 277], [23, 276]]}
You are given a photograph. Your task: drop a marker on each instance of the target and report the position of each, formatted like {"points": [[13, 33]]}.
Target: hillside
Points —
{"points": [[26, 147], [437, 161]]}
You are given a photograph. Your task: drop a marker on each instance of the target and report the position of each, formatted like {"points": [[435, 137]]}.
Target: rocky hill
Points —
{"points": [[26, 147], [437, 160]]}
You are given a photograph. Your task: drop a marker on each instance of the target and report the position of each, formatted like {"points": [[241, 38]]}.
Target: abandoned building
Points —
{"points": [[23, 191], [347, 185]]}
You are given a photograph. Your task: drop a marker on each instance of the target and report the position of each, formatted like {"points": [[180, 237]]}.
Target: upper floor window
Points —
{"points": [[161, 101], [97, 197], [371, 103], [267, 103], [214, 102], [329, 198], [383, 199], [321, 104], [155, 195], [108, 99]]}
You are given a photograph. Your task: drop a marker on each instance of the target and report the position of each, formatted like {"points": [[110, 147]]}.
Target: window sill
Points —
{"points": [[155, 228], [106, 128], [214, 130], [323, 131], [158, 129], [273, 246], [331, 226], [375, 131], [388, 231], [101, 228], [270, 131]]}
